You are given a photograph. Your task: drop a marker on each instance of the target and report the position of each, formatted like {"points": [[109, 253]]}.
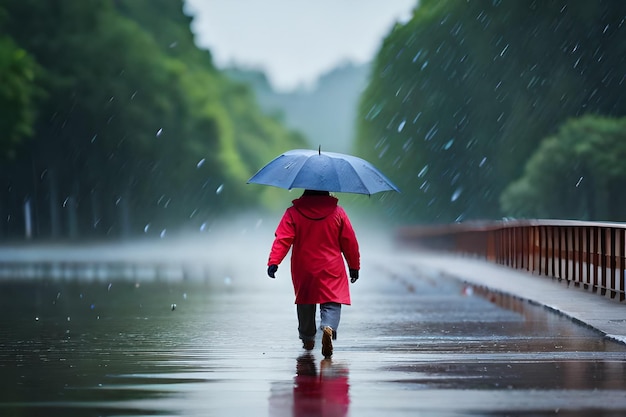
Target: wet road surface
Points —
{"points": [[413, 343]]}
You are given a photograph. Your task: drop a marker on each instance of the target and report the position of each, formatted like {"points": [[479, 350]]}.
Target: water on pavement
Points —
{"points": [[412, 343]]}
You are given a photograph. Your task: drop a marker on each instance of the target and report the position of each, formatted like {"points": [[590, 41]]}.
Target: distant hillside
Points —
{"points": [[325, 114]]}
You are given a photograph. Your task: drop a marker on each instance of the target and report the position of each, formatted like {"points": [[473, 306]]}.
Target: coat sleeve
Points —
{"points": [[285, 233], [349, 243]]}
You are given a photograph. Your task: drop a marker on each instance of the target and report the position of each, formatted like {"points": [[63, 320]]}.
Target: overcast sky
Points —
{"points": [[294, 41]]}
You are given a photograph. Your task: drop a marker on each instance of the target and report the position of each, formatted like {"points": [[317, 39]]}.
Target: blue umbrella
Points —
{"points": [[328, 171]]}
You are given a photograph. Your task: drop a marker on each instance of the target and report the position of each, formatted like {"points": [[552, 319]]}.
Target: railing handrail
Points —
{"points": [[588, 254]]}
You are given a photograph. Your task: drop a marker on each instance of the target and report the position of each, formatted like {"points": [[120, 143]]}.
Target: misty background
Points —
{"points": [[118, 123]]}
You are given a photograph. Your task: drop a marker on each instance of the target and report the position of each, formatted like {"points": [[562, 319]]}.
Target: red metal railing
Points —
{"points": [[588, 254]]}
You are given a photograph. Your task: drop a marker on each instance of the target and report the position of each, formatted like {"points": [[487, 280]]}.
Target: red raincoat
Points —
{"points": [[320, 232]]}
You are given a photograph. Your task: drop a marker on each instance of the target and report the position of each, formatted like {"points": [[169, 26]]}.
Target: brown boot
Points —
{"points": [[327, 342], [308, 344]]}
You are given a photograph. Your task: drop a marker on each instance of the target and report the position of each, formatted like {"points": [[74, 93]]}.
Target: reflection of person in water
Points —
{"points": [[326, 394]]}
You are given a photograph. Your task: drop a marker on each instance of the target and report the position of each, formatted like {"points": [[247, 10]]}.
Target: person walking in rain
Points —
{"points": [[321, 235]]}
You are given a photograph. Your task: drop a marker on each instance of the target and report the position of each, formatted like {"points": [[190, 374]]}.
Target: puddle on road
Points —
{"points": [[472, 341], [94, 349]]}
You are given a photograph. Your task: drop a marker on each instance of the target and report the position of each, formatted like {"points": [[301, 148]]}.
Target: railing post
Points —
{"points": [[612, 264], [579, 255], [603, 266], [621, 264]]}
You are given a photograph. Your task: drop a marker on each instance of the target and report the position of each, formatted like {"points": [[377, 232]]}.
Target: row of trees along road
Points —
{"points": [[466, 101], [114, 123]]}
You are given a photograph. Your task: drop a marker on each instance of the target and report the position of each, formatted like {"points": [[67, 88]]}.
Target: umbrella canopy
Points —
{"points": [[328, 171]]}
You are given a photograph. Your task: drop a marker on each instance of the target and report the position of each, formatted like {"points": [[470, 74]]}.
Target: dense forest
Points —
{"points": [[462, 97], [114, 123]]}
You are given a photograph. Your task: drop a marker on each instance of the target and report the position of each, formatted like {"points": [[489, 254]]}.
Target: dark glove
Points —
{"points": [[354, 275], [271, 270]]}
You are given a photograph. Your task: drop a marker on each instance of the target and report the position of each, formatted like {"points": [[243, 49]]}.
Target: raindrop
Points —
{"points": [[93, 139], [203, 227], [448, 144], [162, 235], [504, 50], [401, 126], [579, 181], [159, 132], [423, 171], [374, 111], [383, 151], [109, 287], [200, 163], [482, 161], [146, 228], [456, 194], [219, 189], [431, 133], [424, 65]]}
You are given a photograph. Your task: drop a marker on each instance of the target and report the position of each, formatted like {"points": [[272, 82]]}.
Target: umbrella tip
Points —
{"points": [[319, 150]]}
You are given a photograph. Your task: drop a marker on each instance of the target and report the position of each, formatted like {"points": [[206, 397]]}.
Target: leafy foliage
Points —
{"points": [[17, 96], [577, 173], [138, 132], [461, 96]]}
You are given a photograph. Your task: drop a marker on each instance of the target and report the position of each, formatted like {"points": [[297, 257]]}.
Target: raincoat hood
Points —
{"points": [[315, 207]]}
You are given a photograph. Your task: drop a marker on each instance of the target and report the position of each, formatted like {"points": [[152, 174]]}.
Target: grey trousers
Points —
{"points": [[330, 314]]}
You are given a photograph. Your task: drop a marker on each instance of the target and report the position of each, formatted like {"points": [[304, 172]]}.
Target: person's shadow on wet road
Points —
{"points": [[323, 393]]}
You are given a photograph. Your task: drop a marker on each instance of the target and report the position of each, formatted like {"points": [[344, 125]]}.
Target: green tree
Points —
{"points": [[461, 95], [137, 132], [577, 173], [18, 94]]}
